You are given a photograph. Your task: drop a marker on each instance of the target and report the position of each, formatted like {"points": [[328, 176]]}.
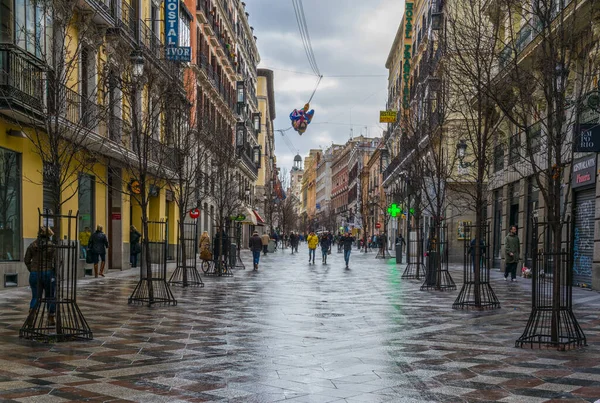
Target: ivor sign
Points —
{"points": [[180, 54], [173, 51]]}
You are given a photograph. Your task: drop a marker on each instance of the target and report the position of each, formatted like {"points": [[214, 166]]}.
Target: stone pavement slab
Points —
{"points": [[298, 332]]}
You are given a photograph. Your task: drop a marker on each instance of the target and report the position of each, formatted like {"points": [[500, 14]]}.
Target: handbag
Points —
{"points": [[88, 256], [205, 255]]}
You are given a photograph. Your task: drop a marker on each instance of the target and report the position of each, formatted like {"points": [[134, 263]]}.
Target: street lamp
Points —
{"points": [[256, 154], [461, 151], [137, 61], [256, 119]]}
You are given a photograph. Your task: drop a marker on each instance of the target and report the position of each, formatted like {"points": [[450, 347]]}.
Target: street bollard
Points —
{"points": [[399, 253]]}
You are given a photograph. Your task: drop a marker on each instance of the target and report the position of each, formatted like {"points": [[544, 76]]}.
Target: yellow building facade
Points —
{"points": [[64, 121]]}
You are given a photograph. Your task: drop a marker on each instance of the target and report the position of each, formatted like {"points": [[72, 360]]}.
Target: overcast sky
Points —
{"points": [[349, 37]]}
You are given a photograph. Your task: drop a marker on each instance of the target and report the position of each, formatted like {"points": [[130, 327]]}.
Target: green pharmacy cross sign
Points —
{"points": [[394, 210]]}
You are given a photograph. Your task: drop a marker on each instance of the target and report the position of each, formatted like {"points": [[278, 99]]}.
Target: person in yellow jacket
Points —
{"points": [[84, 239], [313, 242]]}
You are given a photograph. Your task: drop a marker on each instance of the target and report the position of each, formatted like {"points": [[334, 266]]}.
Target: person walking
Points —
{"points": [[347, 241], [134, 245], [256, 247], [97, 246], [265, 238], [293, 242], [325, 246], [512, 250], [313, 241], [204, 246], [84, 239], [40, 261]]}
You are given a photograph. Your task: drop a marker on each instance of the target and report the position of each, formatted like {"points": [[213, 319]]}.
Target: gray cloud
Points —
{"points": [[349, 37]]}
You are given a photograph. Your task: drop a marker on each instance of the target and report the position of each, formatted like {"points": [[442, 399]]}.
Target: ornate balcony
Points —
{"points": [[21, 85]]}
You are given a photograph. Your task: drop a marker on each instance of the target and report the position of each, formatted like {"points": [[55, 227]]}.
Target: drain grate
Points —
{"points": [[329, 315]]}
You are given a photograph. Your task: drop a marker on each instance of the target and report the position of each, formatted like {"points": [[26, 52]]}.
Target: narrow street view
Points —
{"points": [[300, 200]]}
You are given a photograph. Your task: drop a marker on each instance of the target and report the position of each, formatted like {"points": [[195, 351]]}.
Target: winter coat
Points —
{"points": [[98, 243], [347, 241], [217, 243], [204, 242], [255, 243], [40, 255], [512, 245], [313, 241], [265, 239], [134, 240], [325, 242]]}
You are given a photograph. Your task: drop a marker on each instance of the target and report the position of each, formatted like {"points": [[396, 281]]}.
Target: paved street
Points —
{"points": [[299, 333]]}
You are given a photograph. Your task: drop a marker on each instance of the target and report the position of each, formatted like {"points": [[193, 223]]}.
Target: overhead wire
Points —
{"points": [[305, 36]]}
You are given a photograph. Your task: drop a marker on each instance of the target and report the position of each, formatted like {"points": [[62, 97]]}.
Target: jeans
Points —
{"points": [[256, 256], [347, 256], [82, 252], [133, 259], [311, 254], [43, 281], [512, 269], [324, 253]]}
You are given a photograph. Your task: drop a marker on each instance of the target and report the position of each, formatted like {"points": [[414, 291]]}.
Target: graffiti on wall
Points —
{"points": [[583, 245]]}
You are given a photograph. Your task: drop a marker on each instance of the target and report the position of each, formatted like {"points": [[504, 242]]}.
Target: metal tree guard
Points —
{"points": [[154, 289], [187, 274], [221, 265], [70, 322], [476, 291], [238, 251], [414, 262], [437, 276], [552, 321]]}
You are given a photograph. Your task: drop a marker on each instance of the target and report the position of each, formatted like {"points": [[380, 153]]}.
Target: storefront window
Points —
{"points": [[86, 211], [10, 205]]}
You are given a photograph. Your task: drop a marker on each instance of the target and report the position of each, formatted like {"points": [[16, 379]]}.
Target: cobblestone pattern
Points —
{"points": [[299, 333]]}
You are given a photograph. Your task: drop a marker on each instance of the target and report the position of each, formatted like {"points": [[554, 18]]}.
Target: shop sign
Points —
{"points": [[588, 138], [408, 27], [172, 49], [135, 187], [116, 216], [584, 172], [388, 116]]}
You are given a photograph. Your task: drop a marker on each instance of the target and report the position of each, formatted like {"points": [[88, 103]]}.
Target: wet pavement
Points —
{"points": [[299, 333]]}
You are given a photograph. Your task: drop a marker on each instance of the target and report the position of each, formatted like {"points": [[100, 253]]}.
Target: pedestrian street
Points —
{"points": [[298, 332]]}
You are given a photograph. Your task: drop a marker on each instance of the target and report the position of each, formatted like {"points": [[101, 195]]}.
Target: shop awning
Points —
{"points": [[259, 219], [250, 217]]}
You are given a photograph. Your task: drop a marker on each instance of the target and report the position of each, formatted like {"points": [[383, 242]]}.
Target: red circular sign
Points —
{"points": [[378, 225], [195, 213]]}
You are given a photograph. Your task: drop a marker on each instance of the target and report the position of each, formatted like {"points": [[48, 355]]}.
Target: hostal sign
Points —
{"points": [[408, 27], [584, 172], [173, 51]]}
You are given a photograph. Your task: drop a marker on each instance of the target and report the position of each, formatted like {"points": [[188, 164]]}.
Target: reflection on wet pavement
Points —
{"points": [[298, 332]]}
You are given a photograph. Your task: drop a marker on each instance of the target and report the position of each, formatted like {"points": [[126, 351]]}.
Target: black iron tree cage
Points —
{"points": [[57, 293], [437, 276], [476, 291], [552, 321], [414, 253], [187, 274], [152, 287]]}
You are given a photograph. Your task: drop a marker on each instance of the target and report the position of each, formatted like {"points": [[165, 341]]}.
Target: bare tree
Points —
{"points": [[286, 209], [138, 96], [62, 88], [470, 69], [546, 68]]}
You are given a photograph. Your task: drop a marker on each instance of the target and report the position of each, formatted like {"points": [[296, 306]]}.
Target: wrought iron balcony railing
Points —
{"points": [[21, 82]]}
